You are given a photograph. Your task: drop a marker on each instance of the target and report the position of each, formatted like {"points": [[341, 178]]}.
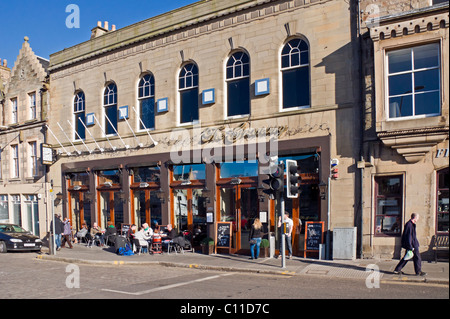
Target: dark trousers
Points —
{"points": [[416, 259], [66, 238]]}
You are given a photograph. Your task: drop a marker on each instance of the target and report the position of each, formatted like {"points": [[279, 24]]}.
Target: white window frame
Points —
{"points": [[179, 90], [413, 93], [292, 67], [33, 156], [32, 104], [107, 92], [14, 111], [138, 122], [79, 106], [15, 164], [234, 78]]}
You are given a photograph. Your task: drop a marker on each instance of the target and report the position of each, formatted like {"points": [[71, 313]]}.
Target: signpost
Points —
{"points": [[223, 235], [313, 236]]}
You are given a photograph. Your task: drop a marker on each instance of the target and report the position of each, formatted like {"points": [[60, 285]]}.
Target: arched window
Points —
{"points": [[238, 84], [146, 96], [188, 89], [295, 69], [110, 105], [79, 113]]}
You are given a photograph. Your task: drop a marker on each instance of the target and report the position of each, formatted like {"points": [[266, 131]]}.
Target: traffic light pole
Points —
{"points": [[283, 234]]}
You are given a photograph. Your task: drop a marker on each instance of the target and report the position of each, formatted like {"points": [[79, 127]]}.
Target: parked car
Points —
{"points": [[14, 237]]}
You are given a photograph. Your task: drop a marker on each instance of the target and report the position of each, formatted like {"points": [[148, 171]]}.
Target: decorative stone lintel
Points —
{"points": [[413, 145]]}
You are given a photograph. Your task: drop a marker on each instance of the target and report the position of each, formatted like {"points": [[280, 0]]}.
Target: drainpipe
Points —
{"points": [[362, 121]]}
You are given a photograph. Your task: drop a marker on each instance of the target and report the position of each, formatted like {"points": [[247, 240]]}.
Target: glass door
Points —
{"points": [[229, 211], [190, 210], [240, 206], [80, 210], [106, 205], [249, 210]]}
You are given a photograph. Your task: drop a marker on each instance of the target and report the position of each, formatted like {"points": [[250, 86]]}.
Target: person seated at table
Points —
{"points": [[157, 229], [84, 232], [168, 235], [97, 234], [148, 232], [140, 239], [130, 233], [110, 234]]}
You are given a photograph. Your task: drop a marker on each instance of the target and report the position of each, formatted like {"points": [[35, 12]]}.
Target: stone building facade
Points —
{"points": [[404, 163], [24, 103], [169, 120]]}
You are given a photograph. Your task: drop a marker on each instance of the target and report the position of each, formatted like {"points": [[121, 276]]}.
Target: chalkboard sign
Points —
{"points": [[124, 228], [313, 235], [223, 235]]}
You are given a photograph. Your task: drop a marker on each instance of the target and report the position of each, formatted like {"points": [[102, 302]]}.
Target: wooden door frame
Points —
{"points": [[246, 182]]}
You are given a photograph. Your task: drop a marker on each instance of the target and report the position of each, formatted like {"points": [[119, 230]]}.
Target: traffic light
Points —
{"points": [[275, 180], [292, 178], [334, 168]]}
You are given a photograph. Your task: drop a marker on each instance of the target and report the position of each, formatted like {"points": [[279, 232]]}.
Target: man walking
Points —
{"points": [[288, 237], [410, 242]]}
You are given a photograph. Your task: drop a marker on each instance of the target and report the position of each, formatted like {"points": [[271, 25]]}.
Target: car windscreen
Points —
{"points": [[12, 229]]}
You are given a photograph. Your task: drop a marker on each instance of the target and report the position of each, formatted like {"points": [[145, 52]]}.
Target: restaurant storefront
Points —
{"points": [[194, 196]]}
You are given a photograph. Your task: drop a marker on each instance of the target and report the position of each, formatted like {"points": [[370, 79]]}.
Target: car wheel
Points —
{"points": [[3, 249]]}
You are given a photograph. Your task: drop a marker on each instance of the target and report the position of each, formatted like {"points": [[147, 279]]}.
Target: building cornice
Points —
{"points": [[180, 24], [411, 22]]}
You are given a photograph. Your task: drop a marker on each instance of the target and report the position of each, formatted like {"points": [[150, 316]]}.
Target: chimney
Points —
{"points": [[99, 30]]}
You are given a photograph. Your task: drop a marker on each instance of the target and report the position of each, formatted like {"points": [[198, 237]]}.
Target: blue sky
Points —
{"points": [[44, 22]]}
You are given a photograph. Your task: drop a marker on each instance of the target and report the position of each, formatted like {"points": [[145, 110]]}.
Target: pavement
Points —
{"points": [[437, 273]]}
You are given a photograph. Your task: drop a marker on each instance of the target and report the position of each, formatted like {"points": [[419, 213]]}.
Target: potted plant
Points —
{"points": [[264, 248], [207, 246]]}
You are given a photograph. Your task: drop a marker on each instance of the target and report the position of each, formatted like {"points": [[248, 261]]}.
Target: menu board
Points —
{"points": [[124, 228], [313, 235], [223, 235]]}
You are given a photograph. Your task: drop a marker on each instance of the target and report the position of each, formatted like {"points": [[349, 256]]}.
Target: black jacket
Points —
{"points": [[409, 238], [59, 226], [256, 233]]}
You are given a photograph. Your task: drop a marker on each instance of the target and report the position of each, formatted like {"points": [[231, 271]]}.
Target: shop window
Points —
{"points": [[147, 102], [414, 82], [146, 175], [238, 84], [17, 212], [79, 112], [190, 172], [189, 96], [32, 207], [388, 205], [442, 201], [4, 209], [109, 177], [295, 69], [246, 169], [110, 105]]}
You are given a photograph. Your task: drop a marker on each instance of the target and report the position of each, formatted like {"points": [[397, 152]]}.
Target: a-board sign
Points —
{"points": [[124, 228], [223, 235], [313, 235]]}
